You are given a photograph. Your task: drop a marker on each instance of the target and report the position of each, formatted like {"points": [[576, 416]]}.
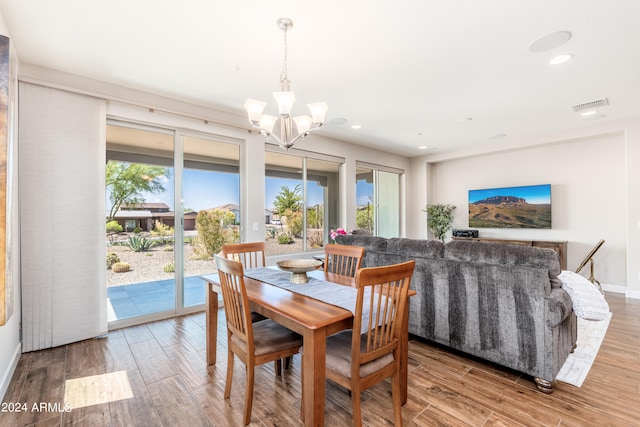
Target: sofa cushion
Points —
{"points": [[416, 247]]}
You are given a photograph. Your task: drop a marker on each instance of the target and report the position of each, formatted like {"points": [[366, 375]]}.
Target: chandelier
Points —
{"points": [[285, 99]]}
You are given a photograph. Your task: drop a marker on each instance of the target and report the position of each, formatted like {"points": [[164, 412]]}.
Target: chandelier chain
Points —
{"points": [[283, 74]]}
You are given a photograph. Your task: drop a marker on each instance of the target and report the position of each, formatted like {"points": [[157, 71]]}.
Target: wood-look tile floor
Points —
{"points": [[156, 375]]}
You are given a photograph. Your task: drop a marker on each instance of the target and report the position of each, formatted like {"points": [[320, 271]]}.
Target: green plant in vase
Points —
{"points": [[439, 219]]}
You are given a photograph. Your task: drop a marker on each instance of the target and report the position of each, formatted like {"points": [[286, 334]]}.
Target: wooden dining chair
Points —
{"points": [[357, 361], [342, 259], [254, 343], [252, 255]]}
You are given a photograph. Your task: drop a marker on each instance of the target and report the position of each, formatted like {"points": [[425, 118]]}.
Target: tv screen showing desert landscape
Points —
{"points": [[511, 207]]}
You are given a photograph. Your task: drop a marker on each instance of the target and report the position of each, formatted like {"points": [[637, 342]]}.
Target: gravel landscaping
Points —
{"points": [[148, 266]]}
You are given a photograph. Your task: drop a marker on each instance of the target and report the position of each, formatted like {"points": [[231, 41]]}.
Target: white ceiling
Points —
{"points": [[408, 72]]}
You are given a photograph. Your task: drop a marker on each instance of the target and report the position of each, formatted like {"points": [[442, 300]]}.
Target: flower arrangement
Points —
{"points": [[338, 231]]}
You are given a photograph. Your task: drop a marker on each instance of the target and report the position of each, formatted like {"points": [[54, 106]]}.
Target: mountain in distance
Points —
{"points": [[501, 200], [509, 212]]}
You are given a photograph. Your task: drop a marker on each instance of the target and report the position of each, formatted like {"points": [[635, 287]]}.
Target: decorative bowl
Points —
{"points": [[299, 268]]}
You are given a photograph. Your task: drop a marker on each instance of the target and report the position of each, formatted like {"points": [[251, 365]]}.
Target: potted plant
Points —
{"points": [[439, 219]]}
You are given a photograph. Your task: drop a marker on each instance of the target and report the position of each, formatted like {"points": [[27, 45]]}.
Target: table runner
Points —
{"points": [[334, 294]]}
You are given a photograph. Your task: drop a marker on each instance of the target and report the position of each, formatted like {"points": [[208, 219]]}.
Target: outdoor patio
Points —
{"points": [[151, 297]]}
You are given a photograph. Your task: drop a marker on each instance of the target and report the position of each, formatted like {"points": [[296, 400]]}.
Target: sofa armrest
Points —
{"points": [[559, 306]]}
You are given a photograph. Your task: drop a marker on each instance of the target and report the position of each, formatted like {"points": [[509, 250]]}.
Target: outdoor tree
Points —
{"points": [[287, 200], [364, 217], [126, 182], [315, 216]]}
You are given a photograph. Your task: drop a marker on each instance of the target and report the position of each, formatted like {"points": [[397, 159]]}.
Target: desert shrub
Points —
{"points": [[294, 224], [284, 238], [114, 227], [315, 238], [271, 233], [169, 267], [212, 233], [137, 230], [112, 258], [139, 243], [163, 233]]}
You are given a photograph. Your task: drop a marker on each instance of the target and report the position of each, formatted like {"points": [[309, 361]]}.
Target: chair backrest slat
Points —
{"points": [[343, 259], [388, 288], [250, 255]]}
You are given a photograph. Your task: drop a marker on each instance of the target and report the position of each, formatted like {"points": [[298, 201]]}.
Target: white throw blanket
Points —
{"points": [[588, 301]]}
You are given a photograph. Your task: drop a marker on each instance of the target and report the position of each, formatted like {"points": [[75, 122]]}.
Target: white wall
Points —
{"points": [[595, 193], [583, 199], [10, 345]]}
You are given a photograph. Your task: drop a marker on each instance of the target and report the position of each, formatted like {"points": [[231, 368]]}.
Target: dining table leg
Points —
{"points": [[313, 365], [212, 325]]}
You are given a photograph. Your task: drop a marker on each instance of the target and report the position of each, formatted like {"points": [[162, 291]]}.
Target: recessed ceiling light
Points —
{"points": [[592, 117], [550, 41], [338, 121], [588, 113], [422, 147], [560, 59], [356, 127], [498, 136]]}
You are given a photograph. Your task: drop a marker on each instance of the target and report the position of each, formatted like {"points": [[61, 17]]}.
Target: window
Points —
{"points": [[378, 199], [301, 198]]}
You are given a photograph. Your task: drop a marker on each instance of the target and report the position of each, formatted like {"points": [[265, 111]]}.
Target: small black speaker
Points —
{"points": [[464, 233]]}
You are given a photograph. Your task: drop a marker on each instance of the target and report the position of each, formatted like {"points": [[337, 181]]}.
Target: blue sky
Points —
{"points": [[364, 192], [206, 189], [534, 194]]}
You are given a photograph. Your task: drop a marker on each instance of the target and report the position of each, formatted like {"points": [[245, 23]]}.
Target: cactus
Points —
{"points": [[120, 267], [139, 243], [112, 258], [169, 267]]}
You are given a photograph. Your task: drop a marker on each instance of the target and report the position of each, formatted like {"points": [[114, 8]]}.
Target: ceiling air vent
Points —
{"points": [[591, 105]]}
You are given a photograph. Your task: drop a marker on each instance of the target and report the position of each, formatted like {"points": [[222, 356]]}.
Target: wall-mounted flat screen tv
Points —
{"points": [[511, 207]]}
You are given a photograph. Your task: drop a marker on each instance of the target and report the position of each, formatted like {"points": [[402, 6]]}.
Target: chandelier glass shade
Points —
{"points": [[290, 129]]}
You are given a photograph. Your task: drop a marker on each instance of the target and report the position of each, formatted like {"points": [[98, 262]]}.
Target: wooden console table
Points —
{"points": [[559, 247]]}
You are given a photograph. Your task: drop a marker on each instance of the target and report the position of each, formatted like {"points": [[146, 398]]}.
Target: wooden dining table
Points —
{"points": [[315, 320]]}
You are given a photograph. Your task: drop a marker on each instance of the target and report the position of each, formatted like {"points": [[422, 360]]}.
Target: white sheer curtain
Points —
{"points": [[62, 216]]}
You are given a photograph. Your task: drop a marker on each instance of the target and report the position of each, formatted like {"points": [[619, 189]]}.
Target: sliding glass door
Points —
{"points": [[210, 208], [378, 199], [302, 202], [164, 191], [140, 203]]}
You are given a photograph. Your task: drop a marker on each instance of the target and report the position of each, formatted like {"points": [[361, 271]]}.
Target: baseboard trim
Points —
{"points": [[616, 289], [633, 294], [11, 369]]}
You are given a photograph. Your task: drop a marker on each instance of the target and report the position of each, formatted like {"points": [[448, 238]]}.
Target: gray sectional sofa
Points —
{"points": [[499, 302]]}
